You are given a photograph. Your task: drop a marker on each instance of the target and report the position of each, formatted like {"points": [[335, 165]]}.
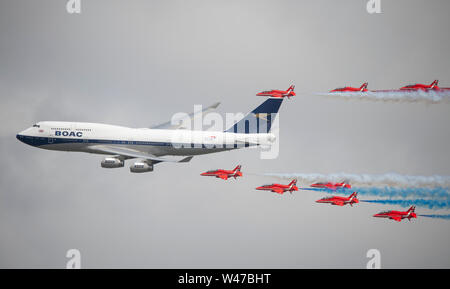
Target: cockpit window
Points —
{"points": [[36, 125]]}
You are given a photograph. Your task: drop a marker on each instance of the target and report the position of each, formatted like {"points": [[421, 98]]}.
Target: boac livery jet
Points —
{"points": [[279, 93], [280, 189], [224, 174], [340, 201], [332, 186], [397, 215], [162, 143], [363, 88]]}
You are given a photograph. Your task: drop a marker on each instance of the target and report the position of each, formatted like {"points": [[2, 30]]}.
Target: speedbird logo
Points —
{"points": [[67, 133]]}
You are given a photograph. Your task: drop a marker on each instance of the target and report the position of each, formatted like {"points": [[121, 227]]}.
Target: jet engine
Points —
{"points": [[141, 167], [110, 163]]}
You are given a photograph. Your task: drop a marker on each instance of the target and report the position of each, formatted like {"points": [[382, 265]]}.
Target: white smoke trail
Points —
{"points": [[395, 96], [390, 179]]}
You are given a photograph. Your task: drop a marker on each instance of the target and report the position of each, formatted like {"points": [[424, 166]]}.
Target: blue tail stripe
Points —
{"points": [[254, 121]]}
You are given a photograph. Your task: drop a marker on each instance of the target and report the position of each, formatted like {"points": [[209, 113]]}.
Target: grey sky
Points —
{"points": [[135, 63]]}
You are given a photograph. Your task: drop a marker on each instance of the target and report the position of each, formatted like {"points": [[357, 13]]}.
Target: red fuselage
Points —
{"points": [[279, 188], [424, 87], [362, 88], [348, 88], [339, 201], [419, 86], [331, 186], [397, 215], [223, 174], [278, 93]]}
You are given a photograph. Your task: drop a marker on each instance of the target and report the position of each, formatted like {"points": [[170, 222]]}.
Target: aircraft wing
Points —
{"points": [[223, 177], [278, 191], [179, 121], [338, 203], [396, 218], [131, 153]]}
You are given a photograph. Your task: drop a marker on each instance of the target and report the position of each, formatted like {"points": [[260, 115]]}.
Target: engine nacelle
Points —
{"points": [[141, 167], [110, 163]]}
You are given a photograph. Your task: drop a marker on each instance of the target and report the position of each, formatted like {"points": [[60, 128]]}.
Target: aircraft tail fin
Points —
{"points": [[293, 182], [260, 119], [411, 209], [237, 169], [291, 88], [291, 185], [363, 86], [434, 83]]}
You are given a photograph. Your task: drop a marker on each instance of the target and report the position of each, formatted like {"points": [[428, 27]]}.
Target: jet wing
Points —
{"points": [[176, 123], [131, 153], [222, 176], [278, 191], [338, 203], [396, 218]]}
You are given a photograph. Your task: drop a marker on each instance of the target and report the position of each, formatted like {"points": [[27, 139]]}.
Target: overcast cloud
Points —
{"points": [[135, 63]]}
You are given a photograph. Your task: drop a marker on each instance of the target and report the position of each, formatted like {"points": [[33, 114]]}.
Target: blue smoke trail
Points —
{"points": [[430, 204], [445, 217], [392, 192]]}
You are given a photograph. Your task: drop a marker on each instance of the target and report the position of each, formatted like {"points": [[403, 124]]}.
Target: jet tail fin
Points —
{"points": [[260, 119], [291, 88], [412, 209], [434, 83], [237, 169], [363, 86]]}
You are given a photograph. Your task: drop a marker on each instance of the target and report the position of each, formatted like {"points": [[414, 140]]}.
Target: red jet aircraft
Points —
{"points": [[340, 201], [398, 216], [419, 86], [279, 93], [224, 174], [363, 88], [332, 186], [280, 189]]}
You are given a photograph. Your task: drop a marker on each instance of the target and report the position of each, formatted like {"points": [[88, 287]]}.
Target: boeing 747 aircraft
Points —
{"points": [[162, 143]]}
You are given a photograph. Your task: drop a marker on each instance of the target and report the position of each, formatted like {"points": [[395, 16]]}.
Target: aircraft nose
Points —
{"points": [[22, 138]]}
